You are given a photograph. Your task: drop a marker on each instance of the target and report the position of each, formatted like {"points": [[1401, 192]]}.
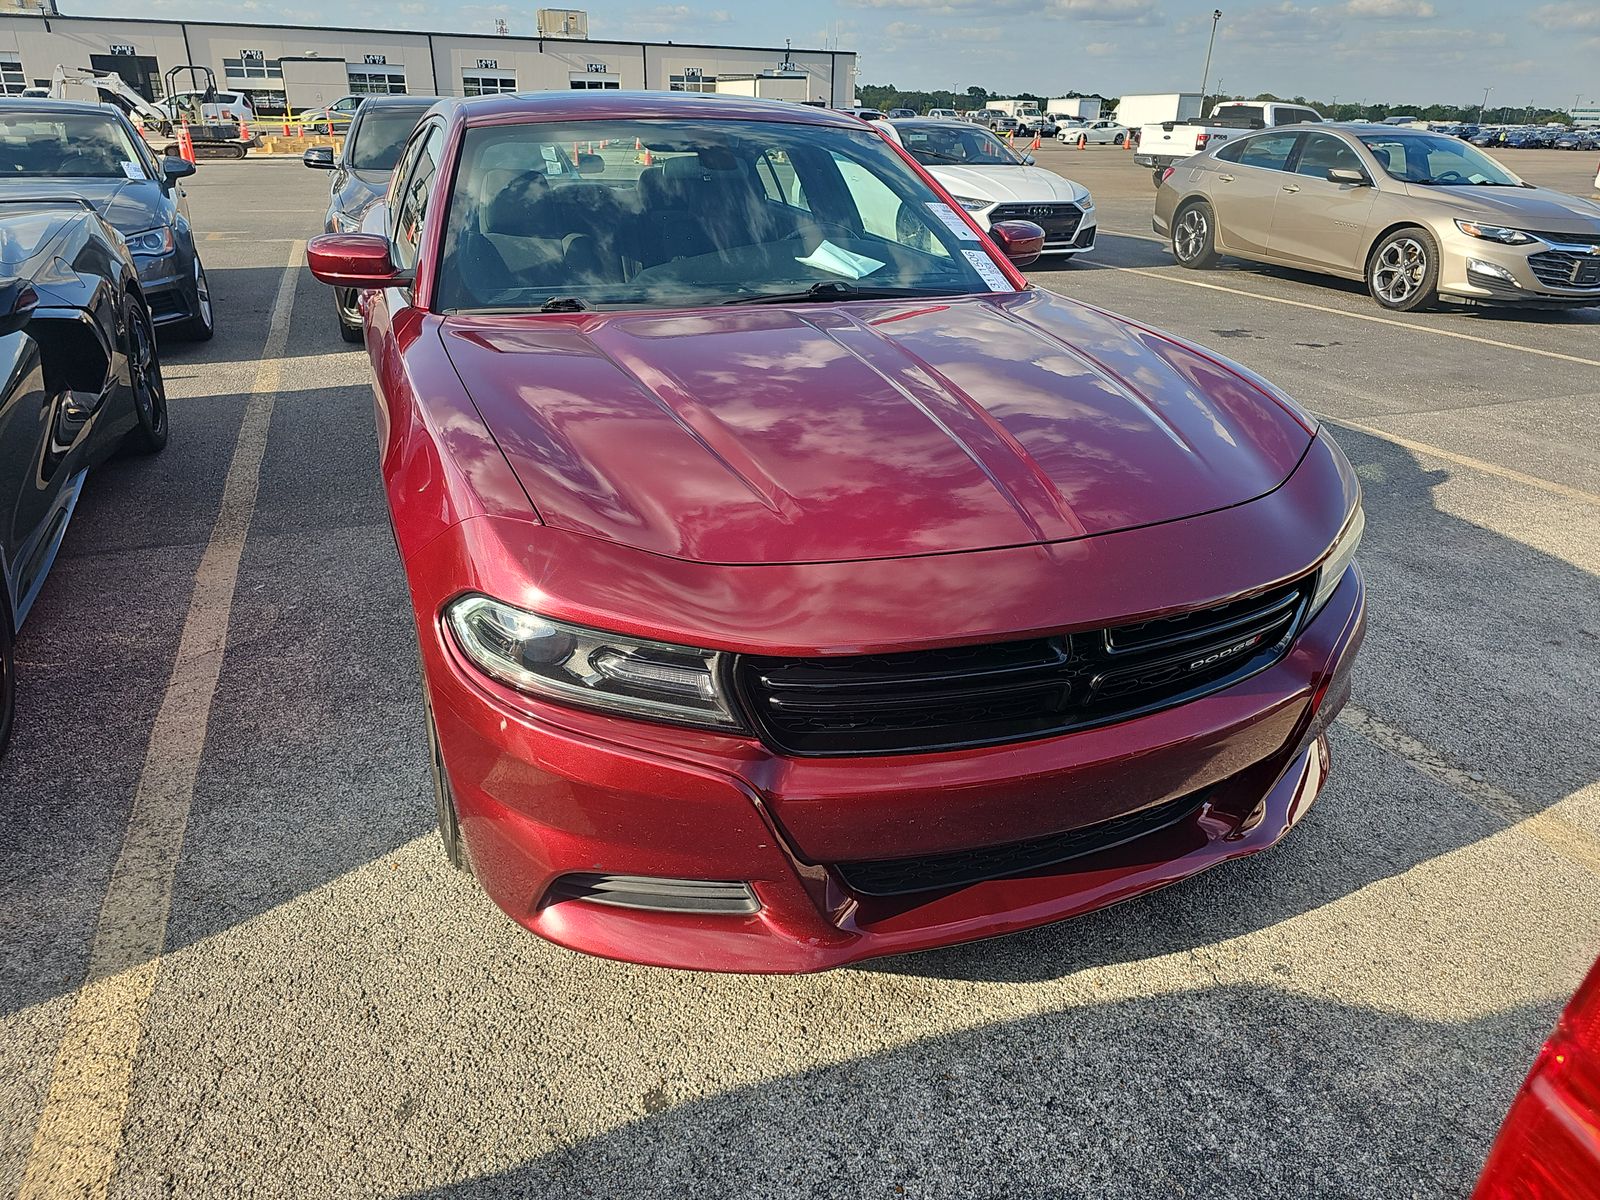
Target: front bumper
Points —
{"points": [[556, 793], [1563, 275], [168, 288]]}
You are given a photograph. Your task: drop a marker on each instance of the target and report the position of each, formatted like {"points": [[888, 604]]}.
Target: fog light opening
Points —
{"points": [[1476, 266], [657, 894]]}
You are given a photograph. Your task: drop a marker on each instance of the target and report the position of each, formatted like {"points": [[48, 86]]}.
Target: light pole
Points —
{"points": [[1216, 15], [1485, 103]]}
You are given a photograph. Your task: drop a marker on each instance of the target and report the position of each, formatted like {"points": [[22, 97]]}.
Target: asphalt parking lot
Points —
{"points": [[237, 963]]}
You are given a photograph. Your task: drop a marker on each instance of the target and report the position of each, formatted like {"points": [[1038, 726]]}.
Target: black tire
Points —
{"points": [[1403, 270], [344, 307], [1194, 233], [8, 680], [149, 434], [455, 852], [201, 327], [1117, 141]]}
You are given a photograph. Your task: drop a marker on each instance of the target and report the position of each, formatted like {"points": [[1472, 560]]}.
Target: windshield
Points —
{"points": [[381, 136], [78, 145], [1435, 159], [673, 213], [943, 145]]}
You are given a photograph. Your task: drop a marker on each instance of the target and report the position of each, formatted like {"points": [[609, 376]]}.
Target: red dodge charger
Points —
{"points": [[795, 583]]}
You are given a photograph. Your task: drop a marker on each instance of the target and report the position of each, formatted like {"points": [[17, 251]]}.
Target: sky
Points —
{"points": [[1392, 51]]}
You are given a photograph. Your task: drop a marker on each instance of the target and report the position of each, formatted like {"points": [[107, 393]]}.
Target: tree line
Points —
{"points": [[887, 96]]}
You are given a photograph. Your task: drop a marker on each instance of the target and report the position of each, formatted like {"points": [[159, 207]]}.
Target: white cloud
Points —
{"points": [[1567, 16], [1390, 9]]}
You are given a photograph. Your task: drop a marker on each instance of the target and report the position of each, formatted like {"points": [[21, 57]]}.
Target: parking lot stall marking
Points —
{"points": [[75, 1147], [1166, 274], [1560, 835]]}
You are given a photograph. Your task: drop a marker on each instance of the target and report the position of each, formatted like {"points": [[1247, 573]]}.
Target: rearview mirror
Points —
{"points": [[354, 260], [1347, 175], [173, 167], [319, 157], [591, 164], [1020, 241]]}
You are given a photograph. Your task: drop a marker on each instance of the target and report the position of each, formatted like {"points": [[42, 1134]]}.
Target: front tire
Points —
{"points": [[1194, 236], [455, 852], [349, 315], [1403, 270], [201, 327], [1118, 140], [149, 434]]}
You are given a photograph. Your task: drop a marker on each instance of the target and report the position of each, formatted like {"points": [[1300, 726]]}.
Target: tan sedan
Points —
{"points": [[1415, 215]]}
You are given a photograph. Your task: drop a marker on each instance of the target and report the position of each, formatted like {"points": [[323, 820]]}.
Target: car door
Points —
{"points": [[1247, 180], [1318, 223]]}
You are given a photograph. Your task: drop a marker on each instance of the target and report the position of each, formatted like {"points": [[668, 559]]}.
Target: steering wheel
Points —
{"points": [[81, 164], [1451, 177], [825, 231]]}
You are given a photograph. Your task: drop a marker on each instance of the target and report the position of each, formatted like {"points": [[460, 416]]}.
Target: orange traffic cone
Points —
{"points": [[185, 143], [1083, 141], [1034, 145], [244, 129]]}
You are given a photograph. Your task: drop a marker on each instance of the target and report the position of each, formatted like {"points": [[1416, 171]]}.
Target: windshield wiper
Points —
{"points": [[562, 304], [833, 289]]}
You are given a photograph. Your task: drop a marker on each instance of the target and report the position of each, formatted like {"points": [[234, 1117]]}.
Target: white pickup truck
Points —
{"points": [[1163, 143]]}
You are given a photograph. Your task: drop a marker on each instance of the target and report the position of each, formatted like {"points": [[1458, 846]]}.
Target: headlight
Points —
{"points": [[1495, 233], [1086, 202], [1338, 560], [971, 205], [591, 668], [153, 241]]}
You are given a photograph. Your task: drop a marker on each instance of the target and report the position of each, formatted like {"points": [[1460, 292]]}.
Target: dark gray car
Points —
{"points": [[361, 176], [93, 152]]}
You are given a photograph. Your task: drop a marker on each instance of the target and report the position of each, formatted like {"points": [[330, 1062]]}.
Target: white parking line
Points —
{"points": [[1431, 330], [75, 1147]]}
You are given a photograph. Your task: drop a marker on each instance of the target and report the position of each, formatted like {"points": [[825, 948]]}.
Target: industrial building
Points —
{"points": [[295, 67]]}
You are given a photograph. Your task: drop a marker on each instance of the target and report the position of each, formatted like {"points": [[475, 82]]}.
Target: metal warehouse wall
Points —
{"points": [[421, 63]]}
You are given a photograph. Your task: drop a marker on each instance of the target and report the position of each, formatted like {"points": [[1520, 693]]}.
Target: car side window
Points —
{"points": [[780, 182], [411, 212], [1268, 150], [1321, 153]]}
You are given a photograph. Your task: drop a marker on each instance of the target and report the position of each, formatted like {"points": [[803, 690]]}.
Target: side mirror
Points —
{"points": [[591, 164], [1028, 160], [1348, 175], [1020, 241], [17, 302], [319, 157], [354, 260], [176, 168]]}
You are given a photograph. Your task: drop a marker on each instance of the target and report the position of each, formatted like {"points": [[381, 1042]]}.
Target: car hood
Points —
{"points": [[856, 431], [129, 205], [1522, 208], [1006, 184]]}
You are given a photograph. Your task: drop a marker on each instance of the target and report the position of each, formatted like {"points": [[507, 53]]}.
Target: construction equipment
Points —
{"points": [[162, 132]]}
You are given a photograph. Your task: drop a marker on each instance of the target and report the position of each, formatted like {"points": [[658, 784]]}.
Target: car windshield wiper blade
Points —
{"points": [[557, 304], [831, 289]]}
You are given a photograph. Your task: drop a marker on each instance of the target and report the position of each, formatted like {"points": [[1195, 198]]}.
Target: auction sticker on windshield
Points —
{"points": [[992, 275], [952, 222]]}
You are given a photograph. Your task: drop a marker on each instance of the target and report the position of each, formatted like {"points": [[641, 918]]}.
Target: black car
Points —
{"points": [[92, 151], [82, 380], [378, 133]]}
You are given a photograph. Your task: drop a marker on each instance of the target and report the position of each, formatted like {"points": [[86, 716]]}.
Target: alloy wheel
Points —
{"points": [[1190, 238], [1400, 269], [149, 392], [202, 292]]}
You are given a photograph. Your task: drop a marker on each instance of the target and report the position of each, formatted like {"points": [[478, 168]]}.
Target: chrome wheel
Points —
{"points": [[144, 373], [1400, 270], [1189, 238], [202, 293]]}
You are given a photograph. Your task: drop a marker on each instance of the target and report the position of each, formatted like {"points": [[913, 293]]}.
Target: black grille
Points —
{"points": [[1566, 268], [897, 876], [1059, 221], [1012, 691], [166, 303]]}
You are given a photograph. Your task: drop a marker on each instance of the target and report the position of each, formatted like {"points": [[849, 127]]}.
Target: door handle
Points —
{"points": [[1291, 187], [1224, 178]]}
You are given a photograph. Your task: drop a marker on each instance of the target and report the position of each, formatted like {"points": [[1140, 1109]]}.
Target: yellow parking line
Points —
{"points": [[75, 1147], [1342, 312]]}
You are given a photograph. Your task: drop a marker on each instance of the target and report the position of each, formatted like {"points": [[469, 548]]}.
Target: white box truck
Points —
{"points": [[1084, 108], [1137, 111]]}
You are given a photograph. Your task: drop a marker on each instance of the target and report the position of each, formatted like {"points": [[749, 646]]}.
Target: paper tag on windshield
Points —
{"points": [[992, 275], [132, 169], [836, 260], [952, 221]]}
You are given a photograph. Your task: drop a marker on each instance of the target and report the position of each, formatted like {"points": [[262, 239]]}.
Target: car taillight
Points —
{"points": [[1200, 140], [1549, 1146], [1167, 174]]}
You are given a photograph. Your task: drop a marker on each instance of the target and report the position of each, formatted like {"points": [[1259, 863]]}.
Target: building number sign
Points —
{"points": [[123, 49], [488, 64], [375, 60], [597, 68], [252, 56]]}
